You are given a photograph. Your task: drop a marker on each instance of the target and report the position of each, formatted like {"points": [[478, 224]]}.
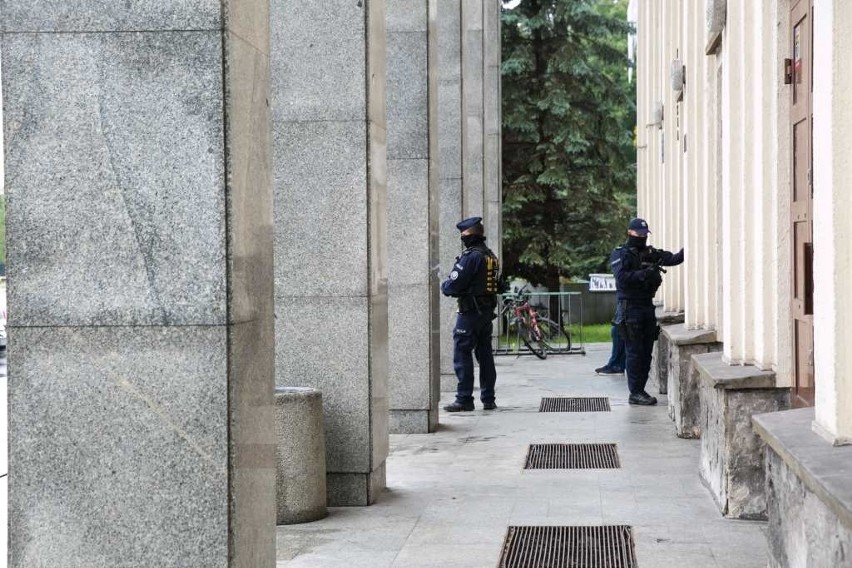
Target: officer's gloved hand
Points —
{"points": [[653, 276]]}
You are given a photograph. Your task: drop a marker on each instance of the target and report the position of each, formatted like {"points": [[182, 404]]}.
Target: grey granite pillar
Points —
{"points": [[140, 284], [472, 68], [330, 169], [492, 155], [413, 210], [450, 148], [470, 136]]}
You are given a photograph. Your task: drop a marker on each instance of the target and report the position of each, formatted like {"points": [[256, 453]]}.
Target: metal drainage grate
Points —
{"points": [[574, 404], [569, 547], [572, 456]]}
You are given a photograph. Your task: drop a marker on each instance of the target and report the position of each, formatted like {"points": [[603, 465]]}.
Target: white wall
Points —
{"points": [[832, 168]]}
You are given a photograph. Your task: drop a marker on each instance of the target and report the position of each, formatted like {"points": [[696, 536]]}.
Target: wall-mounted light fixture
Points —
{"points": [[677, 76], [657, 114]]}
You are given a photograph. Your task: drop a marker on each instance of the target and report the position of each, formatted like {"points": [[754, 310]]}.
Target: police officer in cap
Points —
{"points": [[475, 282], [637, 268]]}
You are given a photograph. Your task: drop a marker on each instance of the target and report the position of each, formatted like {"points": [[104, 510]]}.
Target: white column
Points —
{"points": [[765, 231], [753, 214], [783, 172], [733, 143], [832, 128], [692, 187]]}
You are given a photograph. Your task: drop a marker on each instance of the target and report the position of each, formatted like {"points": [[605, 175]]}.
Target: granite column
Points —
{"points": [[139, 241], [330, 176], [413, 209]]}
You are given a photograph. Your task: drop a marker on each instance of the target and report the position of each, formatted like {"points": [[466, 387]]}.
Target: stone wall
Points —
{"points": [[808, 492], [658, 375], [732, 453], [802, 530], [682, 378]]}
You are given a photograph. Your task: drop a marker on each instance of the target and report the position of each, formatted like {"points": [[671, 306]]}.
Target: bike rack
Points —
{"points": [[507, 341]]}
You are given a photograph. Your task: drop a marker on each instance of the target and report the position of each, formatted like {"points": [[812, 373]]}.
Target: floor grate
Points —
{"points": [[574, 404], [572, 456], [569, 547]]}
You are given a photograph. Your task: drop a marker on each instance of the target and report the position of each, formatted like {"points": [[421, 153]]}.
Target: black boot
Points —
{"points": [[642, 399], [459, 407], [489, 405]]}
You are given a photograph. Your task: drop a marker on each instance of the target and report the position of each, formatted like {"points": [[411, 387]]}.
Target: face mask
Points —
{"points": [[468, 240], [636, 242]]}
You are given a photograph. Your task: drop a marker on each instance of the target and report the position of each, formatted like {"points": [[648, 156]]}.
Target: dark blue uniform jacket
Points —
{"points": [[467, 276], [632, 280]]}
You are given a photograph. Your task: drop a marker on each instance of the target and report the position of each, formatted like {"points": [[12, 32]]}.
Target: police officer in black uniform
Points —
{"points": [[637, 269], [475, 282]]}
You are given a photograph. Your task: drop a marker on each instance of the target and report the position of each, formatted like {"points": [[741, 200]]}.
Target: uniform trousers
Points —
{"points": [[472, 336]]}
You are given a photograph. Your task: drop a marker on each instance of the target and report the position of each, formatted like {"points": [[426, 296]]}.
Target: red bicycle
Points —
{"points": [[537, 333]]}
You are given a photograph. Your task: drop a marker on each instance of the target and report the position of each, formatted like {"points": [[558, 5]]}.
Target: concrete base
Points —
{"points": [[657, 378], [683, 382], [809, 493], [301, 489], [731, 465], [413, 421], [356, 489]]}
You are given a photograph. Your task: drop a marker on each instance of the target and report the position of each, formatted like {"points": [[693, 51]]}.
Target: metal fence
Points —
{"points": [[558, 317]]}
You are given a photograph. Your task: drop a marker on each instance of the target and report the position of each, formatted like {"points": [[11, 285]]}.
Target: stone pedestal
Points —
{"points": [[330, 166], [732, 453], [658, 376], [809, 484], [301, 488], [683, 380], [413, 210], [140, 284]]}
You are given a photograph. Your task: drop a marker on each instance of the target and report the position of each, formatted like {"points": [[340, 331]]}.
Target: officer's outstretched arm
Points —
{"points": [[460, 278], [671, 259]]}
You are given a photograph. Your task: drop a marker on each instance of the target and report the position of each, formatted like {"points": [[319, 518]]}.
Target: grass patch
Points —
{"points": [[595, 333]]}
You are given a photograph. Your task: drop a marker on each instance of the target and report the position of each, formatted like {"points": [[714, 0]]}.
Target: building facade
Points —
{"points": [[744, 114]]}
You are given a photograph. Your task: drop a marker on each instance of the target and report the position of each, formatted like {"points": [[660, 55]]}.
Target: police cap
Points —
{"points": [[466, 224], [639, 225]]}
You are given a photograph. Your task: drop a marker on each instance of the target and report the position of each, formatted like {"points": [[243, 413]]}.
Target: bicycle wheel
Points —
{"points": [[553, 333], [534, 341]]}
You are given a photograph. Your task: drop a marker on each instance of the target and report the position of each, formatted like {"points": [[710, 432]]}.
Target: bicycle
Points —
{"points": [[538, 333]]}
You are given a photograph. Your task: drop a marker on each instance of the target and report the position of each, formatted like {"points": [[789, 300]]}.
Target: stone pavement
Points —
{"points": [[451, 495]]}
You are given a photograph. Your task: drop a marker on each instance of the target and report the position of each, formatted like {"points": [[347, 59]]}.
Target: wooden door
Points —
{"points": [[802, 206]]}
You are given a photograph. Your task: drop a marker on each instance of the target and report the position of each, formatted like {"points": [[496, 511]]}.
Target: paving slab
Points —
{"points": [[452, 494]]}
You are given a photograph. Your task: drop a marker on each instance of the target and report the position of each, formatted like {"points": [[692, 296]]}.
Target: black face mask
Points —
{"points": [[470, 240], [637, 242]]}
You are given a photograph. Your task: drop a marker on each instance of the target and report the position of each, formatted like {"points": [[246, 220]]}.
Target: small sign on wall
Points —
{"points": [[601, 283]]}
